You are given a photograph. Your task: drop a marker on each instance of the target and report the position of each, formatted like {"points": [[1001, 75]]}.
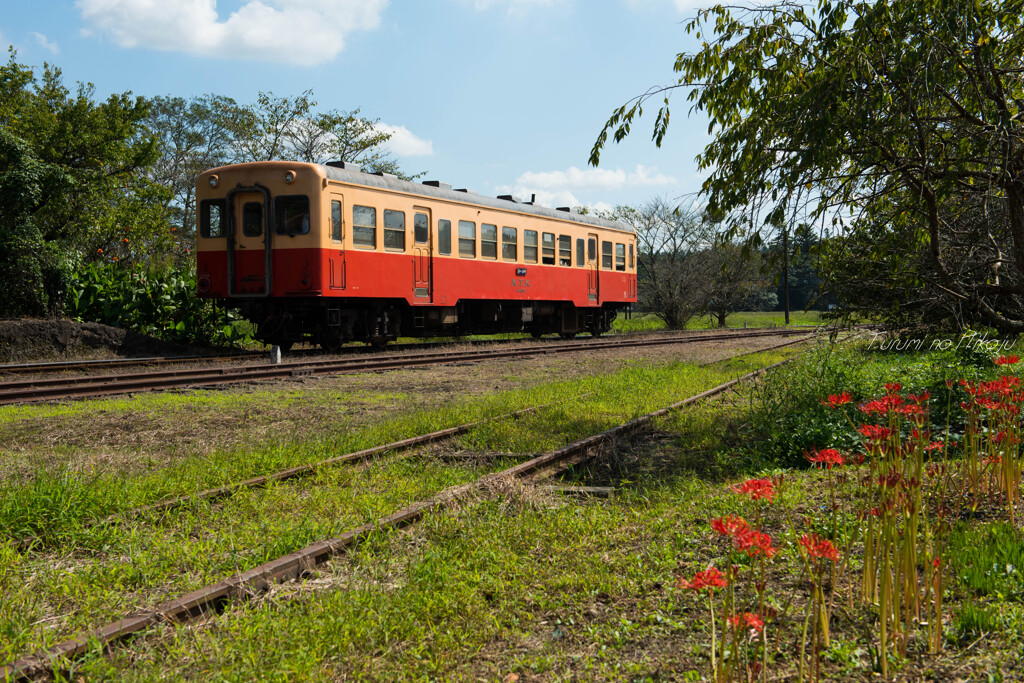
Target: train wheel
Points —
{"points": [[567, 335], [536, 334], [378, 342], [595, 332]]}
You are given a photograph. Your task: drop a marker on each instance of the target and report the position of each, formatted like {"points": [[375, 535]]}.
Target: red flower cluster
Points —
{"points": [[709, 579], [836, 400], [1006, 360], [875, 432], [827, 458], [729, 525], [747, 620], [756, 489], [754, 543], [816, 546], [881, 406]]}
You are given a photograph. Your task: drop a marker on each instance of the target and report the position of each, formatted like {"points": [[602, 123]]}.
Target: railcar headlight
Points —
{"points": [[214, 180], [289, 177]]}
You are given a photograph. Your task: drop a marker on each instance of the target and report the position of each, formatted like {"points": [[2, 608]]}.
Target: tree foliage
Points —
{"points": [[72, 182], [683, 271], [897, 123]]}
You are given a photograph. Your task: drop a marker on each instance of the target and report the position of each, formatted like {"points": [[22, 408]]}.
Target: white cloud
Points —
{"points": [[559, 188], [404, 143], [46, 43], [303, 32]]}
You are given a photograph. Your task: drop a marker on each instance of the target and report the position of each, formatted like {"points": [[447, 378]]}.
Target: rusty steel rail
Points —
{"points": [[60, 388], [300, 563]]}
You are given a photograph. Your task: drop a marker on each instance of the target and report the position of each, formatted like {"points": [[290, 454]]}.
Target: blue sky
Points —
{"points": [[500, 96]]}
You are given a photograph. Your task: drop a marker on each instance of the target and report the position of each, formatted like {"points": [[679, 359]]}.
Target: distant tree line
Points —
{"points": [[686, 268], [86, 184]]}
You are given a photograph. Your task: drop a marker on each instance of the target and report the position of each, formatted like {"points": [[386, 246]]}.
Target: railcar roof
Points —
{"points": [[444, 191]]}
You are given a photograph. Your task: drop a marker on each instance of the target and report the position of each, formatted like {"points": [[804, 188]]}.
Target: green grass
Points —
{"points": [[648, 322], [77, 574], [518, 580]]}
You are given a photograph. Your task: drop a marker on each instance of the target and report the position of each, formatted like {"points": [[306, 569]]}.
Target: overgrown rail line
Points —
{"points": [[26, 391], [99, 363], [295, 565]]}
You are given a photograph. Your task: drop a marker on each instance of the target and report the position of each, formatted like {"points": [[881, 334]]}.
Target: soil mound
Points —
{"points": [[40, 340]]}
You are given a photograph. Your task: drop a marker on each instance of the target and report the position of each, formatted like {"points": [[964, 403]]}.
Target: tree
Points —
{"points": [[80, 164], [671, 276], [734, 282], [290, 128], [896, 122]]}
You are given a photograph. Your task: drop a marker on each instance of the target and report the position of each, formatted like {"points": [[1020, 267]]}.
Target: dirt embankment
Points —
{"points": [[41, 340]]}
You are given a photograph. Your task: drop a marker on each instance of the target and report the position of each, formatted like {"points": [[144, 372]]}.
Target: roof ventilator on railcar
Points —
{"points": [[345, 165]]}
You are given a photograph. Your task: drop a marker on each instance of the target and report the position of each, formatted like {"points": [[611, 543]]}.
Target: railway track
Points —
{"points": [[101, 363], [47, 389], [295, 565]]}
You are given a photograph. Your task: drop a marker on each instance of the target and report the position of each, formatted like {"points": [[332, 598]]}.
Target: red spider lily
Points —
{"points": [[709, 579], [992, 460], [1005, 436], [875, 432], [754, 543], [935, 446], [881, 406], [816, 547], [729, 525], [827, 458], [756, 489], [836, 400], [754, 622], [1006, 360], [893, 388], [920, 398], [937, 562]]}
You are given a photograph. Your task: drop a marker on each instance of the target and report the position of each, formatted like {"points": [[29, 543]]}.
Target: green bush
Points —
{"points": [[159, 302]]}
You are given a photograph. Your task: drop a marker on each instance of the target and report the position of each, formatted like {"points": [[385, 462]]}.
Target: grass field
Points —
{"points": [[648, 322], [522, 584]]}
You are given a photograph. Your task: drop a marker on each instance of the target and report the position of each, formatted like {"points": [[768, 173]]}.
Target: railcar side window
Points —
{"points": [[631, 257], [336, 220], [580, 261], [364, 226], [211, 213], [252, 219], [530, 246], [444, 236], [421, 228], [620, 257], [592, 249], [488, 240], [291, 214], [509, 244], [606, 255], [564, 250], [394, 230], [547, 248], [467, 239]]}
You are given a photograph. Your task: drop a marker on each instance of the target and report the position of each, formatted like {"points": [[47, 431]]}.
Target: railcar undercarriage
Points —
{"points": [[329, 323]]}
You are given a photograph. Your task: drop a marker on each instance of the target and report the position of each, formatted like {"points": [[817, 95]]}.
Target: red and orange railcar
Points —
{"points": [[327, 254]]}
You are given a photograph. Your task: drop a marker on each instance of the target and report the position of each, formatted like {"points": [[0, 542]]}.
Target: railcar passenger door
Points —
{"points": [[249, 244], [337, 250], [592, 273], [422, 266]]}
